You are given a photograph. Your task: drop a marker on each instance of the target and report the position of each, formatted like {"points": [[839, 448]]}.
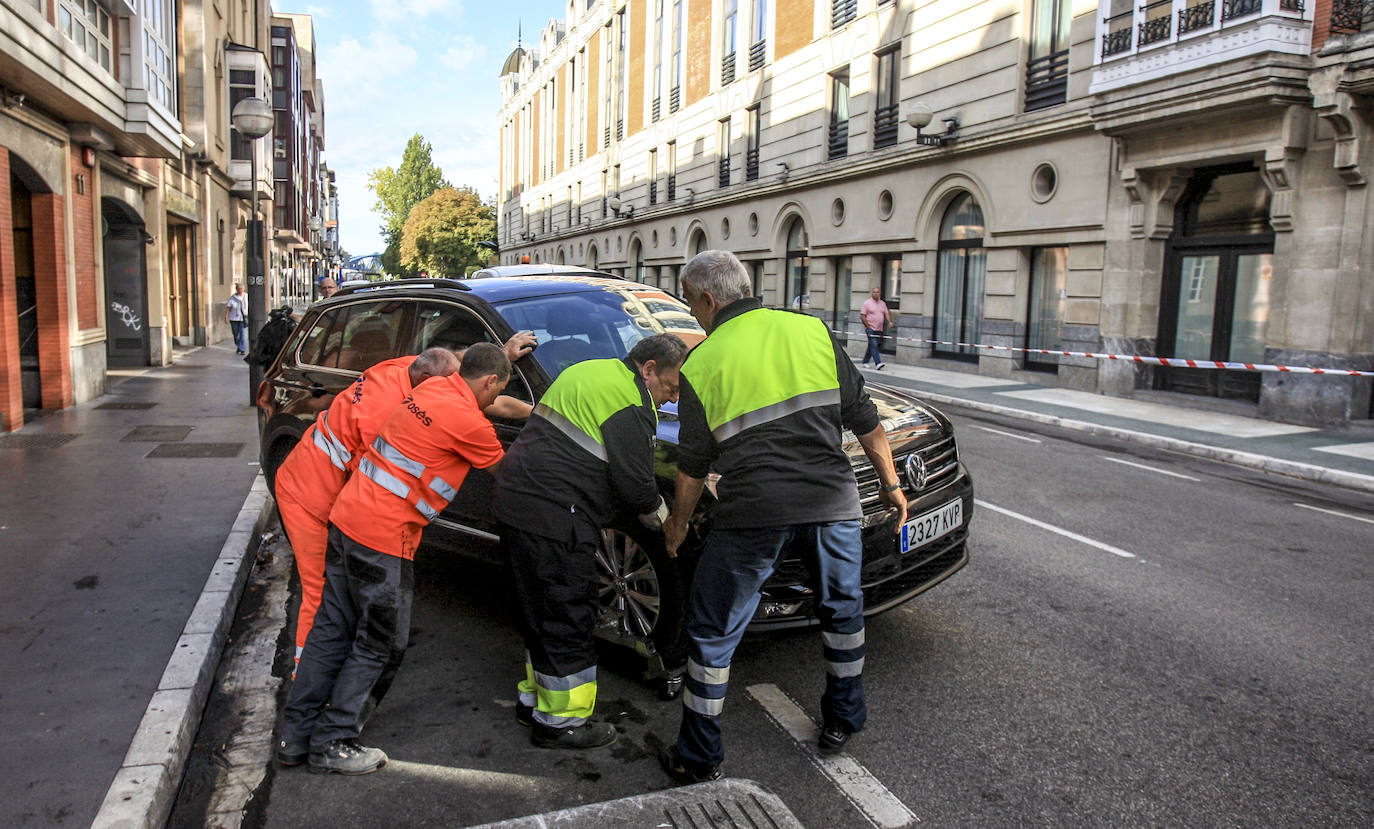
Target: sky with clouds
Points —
{"points": [[392, 68]]}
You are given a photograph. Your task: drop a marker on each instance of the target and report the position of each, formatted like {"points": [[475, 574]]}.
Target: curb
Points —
{"points": [[145, 787], [1264, 463]]}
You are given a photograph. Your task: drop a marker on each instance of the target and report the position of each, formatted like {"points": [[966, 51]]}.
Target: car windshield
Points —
{"points": [[591, 325]]}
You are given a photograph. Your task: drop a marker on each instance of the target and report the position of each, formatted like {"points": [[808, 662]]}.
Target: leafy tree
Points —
{"points": [[443, 233], [399, 190]]}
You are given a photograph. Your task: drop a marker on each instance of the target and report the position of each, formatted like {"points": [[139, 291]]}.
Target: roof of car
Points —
{"points": [[502, 288], [531, 270]]}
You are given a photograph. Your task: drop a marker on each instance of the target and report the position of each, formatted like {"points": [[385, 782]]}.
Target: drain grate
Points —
{"points": [[195, 450], [157, 434], [36, 441], [126, 406]]}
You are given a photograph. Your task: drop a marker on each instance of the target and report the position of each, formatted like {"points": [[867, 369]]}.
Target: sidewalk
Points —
{"points": [[1168, 421], [115, 517]]}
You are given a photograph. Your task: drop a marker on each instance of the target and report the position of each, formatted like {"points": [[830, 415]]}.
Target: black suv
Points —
{"points": [[580, 315]]}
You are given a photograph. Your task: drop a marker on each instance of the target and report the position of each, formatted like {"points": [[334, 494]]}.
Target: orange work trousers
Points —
{"points": [[309, 537]]}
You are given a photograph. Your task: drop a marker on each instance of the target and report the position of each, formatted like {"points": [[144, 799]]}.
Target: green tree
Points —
{"points": [[443, 233], [398, 190]]}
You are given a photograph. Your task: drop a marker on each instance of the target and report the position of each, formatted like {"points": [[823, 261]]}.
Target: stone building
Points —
{"points": [[1167, 180], [124, 190]]}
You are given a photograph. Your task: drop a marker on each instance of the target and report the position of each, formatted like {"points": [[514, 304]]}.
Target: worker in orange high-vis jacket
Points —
{"points": [[309, 480], [405, 478]]}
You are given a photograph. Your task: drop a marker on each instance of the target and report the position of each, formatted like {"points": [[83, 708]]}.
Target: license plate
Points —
{"points": [[929, 526]]}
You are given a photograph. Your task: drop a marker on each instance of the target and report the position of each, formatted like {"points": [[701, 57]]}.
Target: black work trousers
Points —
{"points": [[355, 646], [555, 585]]}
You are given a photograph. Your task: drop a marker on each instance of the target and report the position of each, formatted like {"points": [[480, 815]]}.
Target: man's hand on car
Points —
{"points": [[896, 499], [674, 533], [654, 520], [521, 344]]}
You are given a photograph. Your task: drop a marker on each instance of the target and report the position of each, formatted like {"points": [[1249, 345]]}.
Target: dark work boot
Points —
{"points": [[833, 738], [588, 735], [524, 714], [292, 753], [347, 757]]}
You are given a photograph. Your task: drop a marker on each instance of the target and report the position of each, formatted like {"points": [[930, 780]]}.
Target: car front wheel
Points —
{"points": [[641, 593]]}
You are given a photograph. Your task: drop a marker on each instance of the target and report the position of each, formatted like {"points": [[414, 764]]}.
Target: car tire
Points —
{"points": [[642, 592], [276, 456]]}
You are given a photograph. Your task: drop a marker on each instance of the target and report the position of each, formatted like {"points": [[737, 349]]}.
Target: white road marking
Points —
{"points": [[870, 797], [1008, 434], [1333, 512], [1116, 551], [1149, 468]]}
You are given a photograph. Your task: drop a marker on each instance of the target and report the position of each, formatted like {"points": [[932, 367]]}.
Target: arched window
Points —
{"points": [[591, 257], [697, 245], [798, 265], [637, 257], [960, 278]]}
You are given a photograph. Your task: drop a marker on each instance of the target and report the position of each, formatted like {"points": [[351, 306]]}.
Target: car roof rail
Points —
{"points": [[395, 284]]}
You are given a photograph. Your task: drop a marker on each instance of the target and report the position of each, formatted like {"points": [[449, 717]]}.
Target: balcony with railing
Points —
{"points": [[1146, 41], [837, 144], [723, 172], [1350, 17], [727, 69], [885, 126], [757, 54], [751, 164]]}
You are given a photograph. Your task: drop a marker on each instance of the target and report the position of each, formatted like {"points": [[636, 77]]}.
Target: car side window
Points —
{"points": [[446, 325], [321, 345], [451, 326], [373, 333]]}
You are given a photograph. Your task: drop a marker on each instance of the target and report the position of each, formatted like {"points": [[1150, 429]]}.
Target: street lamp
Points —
{"points": [[253, 118], [920, 116], [314, 224]]}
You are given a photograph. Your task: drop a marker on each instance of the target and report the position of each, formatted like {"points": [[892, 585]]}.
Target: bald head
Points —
{"points": [[433, 362]]}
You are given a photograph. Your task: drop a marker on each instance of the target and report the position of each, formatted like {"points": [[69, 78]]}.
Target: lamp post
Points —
{"points": [[314, 224], [253, 118]]}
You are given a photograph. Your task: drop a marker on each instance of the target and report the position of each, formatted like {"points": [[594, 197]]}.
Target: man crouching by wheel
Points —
{"points": [[587, 450]]}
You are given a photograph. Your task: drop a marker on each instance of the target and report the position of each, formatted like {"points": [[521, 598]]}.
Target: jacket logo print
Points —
{"points": [[419, 413]]}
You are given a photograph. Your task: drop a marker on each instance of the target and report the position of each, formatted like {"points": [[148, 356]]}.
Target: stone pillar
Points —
{"points": [[11, 377], [50, 275]]}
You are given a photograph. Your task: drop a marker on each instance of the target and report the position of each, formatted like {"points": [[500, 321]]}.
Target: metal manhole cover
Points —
{"points": [[126, 406], [195, 450], [157, 434], [36, 441]]}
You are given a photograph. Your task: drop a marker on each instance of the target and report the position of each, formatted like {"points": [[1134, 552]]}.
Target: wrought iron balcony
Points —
{"points": [[1232, 9], [751, 164], [885, 126], [1158, 22], [655, 112], [672, 187], [723, 174], [838, 143], [727, 69], [1118, 37], [674, 99], [1047, 80], [1351, 16], [757, 52], [619, 129], [1196, 17], [606, 136], [653, 191]]}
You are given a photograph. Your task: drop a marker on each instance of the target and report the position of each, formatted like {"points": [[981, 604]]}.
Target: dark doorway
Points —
{"points": [[1215, 296], [960, 279], [126, 286], [26, 292]]}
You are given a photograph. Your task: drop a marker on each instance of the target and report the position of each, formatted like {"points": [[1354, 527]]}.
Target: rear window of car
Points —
{"points": [[594, 325]]}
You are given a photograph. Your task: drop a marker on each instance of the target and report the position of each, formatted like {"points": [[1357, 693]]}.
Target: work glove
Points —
{"points": [[654, 520]]}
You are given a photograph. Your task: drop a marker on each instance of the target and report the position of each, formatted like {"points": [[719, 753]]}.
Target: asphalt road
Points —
{"points": [[1165, 642]]}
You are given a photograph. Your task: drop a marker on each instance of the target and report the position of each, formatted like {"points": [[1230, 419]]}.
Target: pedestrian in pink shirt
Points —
{"points": [[876, 317]]}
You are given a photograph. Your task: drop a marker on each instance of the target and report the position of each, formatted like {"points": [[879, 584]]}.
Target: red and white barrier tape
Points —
{"points": [[1176, 362]]}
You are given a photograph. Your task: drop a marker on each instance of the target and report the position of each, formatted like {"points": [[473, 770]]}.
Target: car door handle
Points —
{"points": [[318, 390]]}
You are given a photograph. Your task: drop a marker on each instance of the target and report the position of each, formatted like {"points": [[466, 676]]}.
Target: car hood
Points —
{"points": [[907, 420]]}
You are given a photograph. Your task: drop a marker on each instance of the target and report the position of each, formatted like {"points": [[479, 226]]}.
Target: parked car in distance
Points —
{"points": [[579, 315]]}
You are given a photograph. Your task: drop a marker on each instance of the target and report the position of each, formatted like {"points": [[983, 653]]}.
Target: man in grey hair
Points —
{"points": [[763, 401]]}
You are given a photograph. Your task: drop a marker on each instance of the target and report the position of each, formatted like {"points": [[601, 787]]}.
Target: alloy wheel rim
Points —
{"points": [[629, 593]]}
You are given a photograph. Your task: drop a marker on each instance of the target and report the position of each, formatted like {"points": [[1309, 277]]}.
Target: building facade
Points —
{"points": [[1164, 192], [125, 191]]}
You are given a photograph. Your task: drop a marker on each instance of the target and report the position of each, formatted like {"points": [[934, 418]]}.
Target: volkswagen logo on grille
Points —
{"points": [[916, 471]]}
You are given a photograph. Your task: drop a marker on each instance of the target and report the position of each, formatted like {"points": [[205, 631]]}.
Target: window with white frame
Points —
{"points": [[758, 43], [679, 60], [87, 25], [727, 61], [656, 96], [159, 49]]}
